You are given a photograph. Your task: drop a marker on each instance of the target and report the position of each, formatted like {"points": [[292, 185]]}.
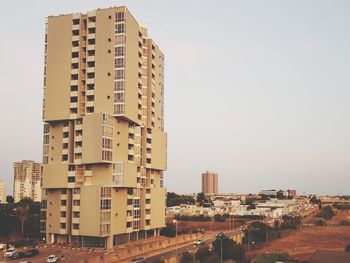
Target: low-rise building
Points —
{"points": [[3, 192]]}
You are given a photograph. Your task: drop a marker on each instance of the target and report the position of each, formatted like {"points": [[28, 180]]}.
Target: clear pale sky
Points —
{"points": [[257, 91]]}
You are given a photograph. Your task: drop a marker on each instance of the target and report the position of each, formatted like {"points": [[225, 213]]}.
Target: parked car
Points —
{"points": [[25, 261], [31, 253], [9, 252], [52, 259], [138, 260], [17, 255], [199, 242], [2, 246]]}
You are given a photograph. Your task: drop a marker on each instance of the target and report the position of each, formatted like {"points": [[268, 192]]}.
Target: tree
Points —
{"points": [[228, 249], [202, 254], [168, 231], [347, 249], [326, 213], [10, 199], [315, 200], [212, 259], [280, 195], [200, 198], [174, 199], [21, 211], [187, 257]]}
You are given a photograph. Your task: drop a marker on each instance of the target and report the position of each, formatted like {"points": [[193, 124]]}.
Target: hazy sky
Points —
{"points": [[257, 91]]}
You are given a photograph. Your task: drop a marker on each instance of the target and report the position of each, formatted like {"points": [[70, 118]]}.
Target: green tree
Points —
{"points": [[326, 213], [228, 249], [212, 259], [21, 211], [10, 199], [187, 257], [202, 254], [200, 198]]}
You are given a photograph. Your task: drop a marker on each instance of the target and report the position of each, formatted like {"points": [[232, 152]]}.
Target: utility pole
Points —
{"points": [[221, 250]]}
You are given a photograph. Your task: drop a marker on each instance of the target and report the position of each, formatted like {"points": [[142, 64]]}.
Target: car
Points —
{"points": [[199, 242], [17, 255], [9, 252], [52, 259], [2, 246], [31, 253], [25, 261], [220, 234], [138, 260]]}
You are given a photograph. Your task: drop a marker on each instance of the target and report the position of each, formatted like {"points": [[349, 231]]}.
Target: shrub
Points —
{"points": [[347, 249]]}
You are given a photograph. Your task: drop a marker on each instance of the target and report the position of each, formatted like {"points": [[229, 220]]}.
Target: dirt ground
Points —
{"points": [[341, 215], [302, 244]]}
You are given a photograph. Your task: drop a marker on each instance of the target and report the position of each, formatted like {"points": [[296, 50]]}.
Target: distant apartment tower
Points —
{"points": [[209, 183], [3, 192], [104, 147], [27, 180]]}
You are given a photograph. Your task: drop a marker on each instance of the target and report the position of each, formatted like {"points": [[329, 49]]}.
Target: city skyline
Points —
{"points": [[275, 87]]}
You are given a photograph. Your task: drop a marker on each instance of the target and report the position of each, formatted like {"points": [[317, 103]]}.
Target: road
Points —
{"points": [[186, 247]]}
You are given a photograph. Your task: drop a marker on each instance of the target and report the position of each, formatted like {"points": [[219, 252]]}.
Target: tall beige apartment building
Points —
{"points": [[105, 148], [3, 192], [27, 180], [209, 183]]}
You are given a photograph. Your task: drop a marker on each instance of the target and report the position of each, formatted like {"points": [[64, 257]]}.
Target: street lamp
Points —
{"points": [[175, 222]]}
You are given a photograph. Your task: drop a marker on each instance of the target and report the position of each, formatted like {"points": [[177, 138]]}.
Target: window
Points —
{"points": [[105, 192], [136, 203], [106, 155], [119, 74], [120, 97], [119, 28], [119, 63], [119, 86], [63, 225], [63, 202], [105, 204], [71, 179], [76, 191], [120, 39], [46, 139], [119, 17], [119, 51], [46, 128], [107, 143], [76, 202], [63, 214]]}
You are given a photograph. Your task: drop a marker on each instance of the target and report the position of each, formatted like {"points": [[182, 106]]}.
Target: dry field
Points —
{"points": [[302, 244]]}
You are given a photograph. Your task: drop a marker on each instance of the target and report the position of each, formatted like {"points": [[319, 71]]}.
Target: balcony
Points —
{"points": [[78, 127], [75, 208], [74, 82], [70, 185], [148, 196], [75, 49], [90, 92], [91, 47], [64, 151], [78, 150], [91, 36], [147, 217], [74, 71], [63, 208], [88, 173], [78, 161], [148, 155], [131, 141], [74, 60], [90, 81], [130, 152], [63, 220], [129, 218], [63, 197], [63, 231], [128, 229], [78, 138], [149, 136], [75, 232], [90, 70], [90, 58], [75, 38], [89, 104], [75, 220], [148, 145], [91, 24], [129, 207], [147, 206], [73, 105], [73, 116], [71, 173]]}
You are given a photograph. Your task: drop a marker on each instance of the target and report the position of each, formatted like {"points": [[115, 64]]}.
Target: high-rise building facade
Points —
{"points": [[209, 183], [27, 180], [3, 192], [104, 149]]}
